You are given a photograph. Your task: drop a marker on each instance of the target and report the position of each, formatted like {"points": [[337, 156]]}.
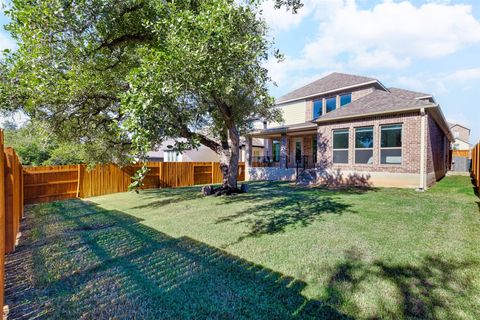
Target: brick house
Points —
{"points": [[461, 135], [348, 129]]}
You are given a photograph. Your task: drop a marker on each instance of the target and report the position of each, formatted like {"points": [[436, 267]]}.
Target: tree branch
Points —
{"points": [[212, 144]]}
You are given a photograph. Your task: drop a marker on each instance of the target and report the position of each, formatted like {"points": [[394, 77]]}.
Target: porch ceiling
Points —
{"points": [[289, 130]]}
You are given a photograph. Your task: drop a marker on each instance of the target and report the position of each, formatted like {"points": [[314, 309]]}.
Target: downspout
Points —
{"points": [[422, 150]]}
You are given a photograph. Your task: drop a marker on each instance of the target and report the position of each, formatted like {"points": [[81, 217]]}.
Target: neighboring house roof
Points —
{"points": [[451, 125], [333, 82], [374, 103], [462, 141], [256, 142]]}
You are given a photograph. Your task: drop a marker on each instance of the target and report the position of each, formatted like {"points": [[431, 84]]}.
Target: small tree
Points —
{"points": [[122, 76]]}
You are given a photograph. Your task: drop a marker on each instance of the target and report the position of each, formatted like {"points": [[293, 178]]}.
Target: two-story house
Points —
{"points": [[461, 135], [352, 129]]}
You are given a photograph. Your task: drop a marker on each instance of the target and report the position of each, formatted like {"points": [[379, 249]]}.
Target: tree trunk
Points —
{"points": [[229, 157]]}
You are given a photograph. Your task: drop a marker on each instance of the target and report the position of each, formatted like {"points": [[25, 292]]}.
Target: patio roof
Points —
{"points": [[291, 128]]}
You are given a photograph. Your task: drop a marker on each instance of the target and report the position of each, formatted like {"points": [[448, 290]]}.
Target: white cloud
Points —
{"points": [[465, 75], [389, 35], [281, 19], [398, 31]]}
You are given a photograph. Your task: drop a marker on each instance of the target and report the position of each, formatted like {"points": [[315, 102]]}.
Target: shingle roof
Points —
{"points": [[451, 125], [407, 94], [329, 83], [378, 101]]}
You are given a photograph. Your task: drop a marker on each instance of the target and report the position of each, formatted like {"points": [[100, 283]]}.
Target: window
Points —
{"points": [[364, 145], [317, 108], [456, 134], [171, 156], [391, 146], [345, 99], [331, 104], [340, 146], [314, 151], [276, 151]]}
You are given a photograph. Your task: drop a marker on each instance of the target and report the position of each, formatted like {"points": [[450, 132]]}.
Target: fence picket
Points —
{"points": [[46, 184], [476, 165]]}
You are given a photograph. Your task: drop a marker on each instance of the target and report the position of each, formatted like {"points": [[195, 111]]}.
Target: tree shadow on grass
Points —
{"points": [[79, 261], [429, 289], [275, 206]]}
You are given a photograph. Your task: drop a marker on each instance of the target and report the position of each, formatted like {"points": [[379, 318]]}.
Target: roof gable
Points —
{"points": [[376, 102], [333, 82]]}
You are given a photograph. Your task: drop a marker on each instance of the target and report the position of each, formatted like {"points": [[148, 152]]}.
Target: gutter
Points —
{"points": [[363, 115], [422, 185]]}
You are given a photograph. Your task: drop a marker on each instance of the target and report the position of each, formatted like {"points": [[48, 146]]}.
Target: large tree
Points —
{"points": [[122, 76]]}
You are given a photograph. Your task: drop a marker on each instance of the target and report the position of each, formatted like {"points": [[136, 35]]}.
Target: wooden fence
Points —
{"points": [[476, 165], [46, 184], [11, 206], [461, 153]]}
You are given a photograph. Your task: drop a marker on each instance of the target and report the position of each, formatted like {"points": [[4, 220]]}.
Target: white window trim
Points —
{"points": [[347, 149], [389, 148], [355, 146]]}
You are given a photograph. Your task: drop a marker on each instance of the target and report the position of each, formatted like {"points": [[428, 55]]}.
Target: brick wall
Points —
{"points": [[309, 110], [410, 144], [436, 152]]}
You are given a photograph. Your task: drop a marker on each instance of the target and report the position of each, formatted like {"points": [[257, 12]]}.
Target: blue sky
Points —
{"points": [[427, 46]]}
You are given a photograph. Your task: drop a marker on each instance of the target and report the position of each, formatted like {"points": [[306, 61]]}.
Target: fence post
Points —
{"points": [[160, 175], [477, 166], [212, 164], [78, 181], [2, 223]]}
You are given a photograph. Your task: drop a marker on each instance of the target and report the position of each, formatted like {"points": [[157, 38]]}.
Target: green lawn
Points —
{"points": [[277, 252]]}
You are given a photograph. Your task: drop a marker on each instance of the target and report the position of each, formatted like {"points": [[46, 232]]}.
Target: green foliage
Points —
{"points": [[138, 179], [35, 146], [119, 77], [208, 73]]}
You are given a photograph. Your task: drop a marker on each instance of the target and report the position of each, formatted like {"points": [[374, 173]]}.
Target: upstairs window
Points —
{"points": [[345, 99], [340, 146], [331, 104], [317, 108], [391, 146], [364, 145]]}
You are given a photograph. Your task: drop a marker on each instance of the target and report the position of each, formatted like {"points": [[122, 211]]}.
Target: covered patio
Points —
{"points": [[286, 147]]}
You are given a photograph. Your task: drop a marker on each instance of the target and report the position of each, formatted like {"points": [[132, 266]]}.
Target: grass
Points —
{"points": [[276, 252]]}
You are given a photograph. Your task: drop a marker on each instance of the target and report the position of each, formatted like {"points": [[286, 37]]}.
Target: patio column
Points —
{"points": [[283, 151]]}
